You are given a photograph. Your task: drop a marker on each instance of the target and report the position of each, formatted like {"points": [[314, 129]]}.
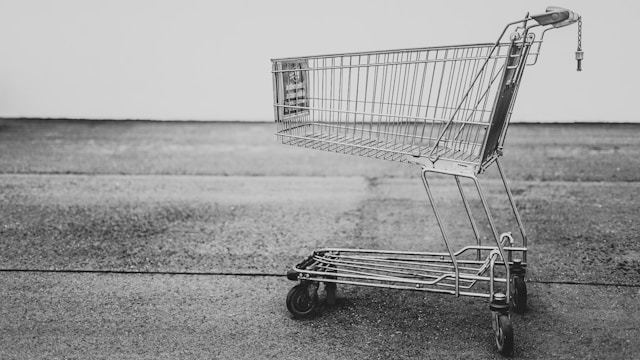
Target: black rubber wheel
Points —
{"points": [[504, 335], [302, 300], [519, 295], [330, 289]]}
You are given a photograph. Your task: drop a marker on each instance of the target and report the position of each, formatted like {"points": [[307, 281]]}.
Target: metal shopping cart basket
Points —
{"points": [[445, 109]]}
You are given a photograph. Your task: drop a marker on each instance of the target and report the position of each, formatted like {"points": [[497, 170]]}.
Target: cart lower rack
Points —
{"points": [[446, 109]]}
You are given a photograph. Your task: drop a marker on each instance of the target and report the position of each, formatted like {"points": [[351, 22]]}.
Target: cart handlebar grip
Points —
{"points": [[556, 17]]}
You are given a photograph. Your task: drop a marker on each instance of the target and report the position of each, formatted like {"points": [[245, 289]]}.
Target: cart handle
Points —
{"points": [[556, 17]]}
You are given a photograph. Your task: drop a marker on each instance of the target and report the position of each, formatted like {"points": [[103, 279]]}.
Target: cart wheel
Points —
{"points": [[302, 300], [504, 335], [519, 295], [330, 289]]}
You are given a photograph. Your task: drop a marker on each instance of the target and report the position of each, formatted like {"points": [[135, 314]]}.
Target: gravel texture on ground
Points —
{"points": [[264, 224], [96, 316], [226, 200], [553, 152]]}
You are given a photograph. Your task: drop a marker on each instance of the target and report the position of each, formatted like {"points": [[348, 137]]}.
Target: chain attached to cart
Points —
{"points": [[579, 52]]}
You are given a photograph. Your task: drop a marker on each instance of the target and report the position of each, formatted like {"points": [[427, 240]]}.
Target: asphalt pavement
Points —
{"points": [[169, 240]]}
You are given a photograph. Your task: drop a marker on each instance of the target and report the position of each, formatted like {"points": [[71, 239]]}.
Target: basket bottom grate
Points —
{"points": [[362, 142]]}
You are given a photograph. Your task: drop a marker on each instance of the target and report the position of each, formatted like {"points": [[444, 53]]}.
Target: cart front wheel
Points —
{"points": [[519, 294], [302, 300], [504, 335]]}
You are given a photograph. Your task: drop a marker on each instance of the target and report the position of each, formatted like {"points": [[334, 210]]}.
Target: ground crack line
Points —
{"points": [[585, 283], [136, 272], [261, 274]]}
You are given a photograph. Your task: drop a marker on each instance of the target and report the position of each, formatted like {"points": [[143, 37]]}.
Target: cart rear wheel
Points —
{"points": [[519, 295], [330, 289], [504, 335], [302, 300]]}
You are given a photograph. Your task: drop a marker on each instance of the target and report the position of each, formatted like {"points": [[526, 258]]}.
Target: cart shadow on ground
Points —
{"points": [[387, 323]]}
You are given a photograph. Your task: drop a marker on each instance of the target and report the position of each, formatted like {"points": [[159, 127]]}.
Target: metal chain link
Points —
{"points": [[580, 33], [579, 52]]}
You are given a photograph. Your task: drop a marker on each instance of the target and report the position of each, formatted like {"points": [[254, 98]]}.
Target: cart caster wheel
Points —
{"points": [[330, 289], [302, 300], [519, 295], [504, 335]]}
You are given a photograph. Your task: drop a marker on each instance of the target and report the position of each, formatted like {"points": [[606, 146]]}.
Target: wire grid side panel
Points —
{"points": [[391, 104]]}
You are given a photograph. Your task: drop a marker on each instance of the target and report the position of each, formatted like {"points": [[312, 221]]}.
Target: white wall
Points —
{"points": [[209, 60]]}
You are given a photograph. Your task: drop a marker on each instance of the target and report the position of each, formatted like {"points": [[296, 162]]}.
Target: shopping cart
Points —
{"points": [[446, 109]]}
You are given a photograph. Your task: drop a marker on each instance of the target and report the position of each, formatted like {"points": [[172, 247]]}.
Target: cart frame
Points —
{"points": [[446, 109]]}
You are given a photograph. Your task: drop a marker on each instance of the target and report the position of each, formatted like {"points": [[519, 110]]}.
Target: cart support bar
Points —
{"points": [[556, 17]]}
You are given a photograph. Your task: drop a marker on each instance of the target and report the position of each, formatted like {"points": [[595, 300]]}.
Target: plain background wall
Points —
{"points": [[210, 60]]}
